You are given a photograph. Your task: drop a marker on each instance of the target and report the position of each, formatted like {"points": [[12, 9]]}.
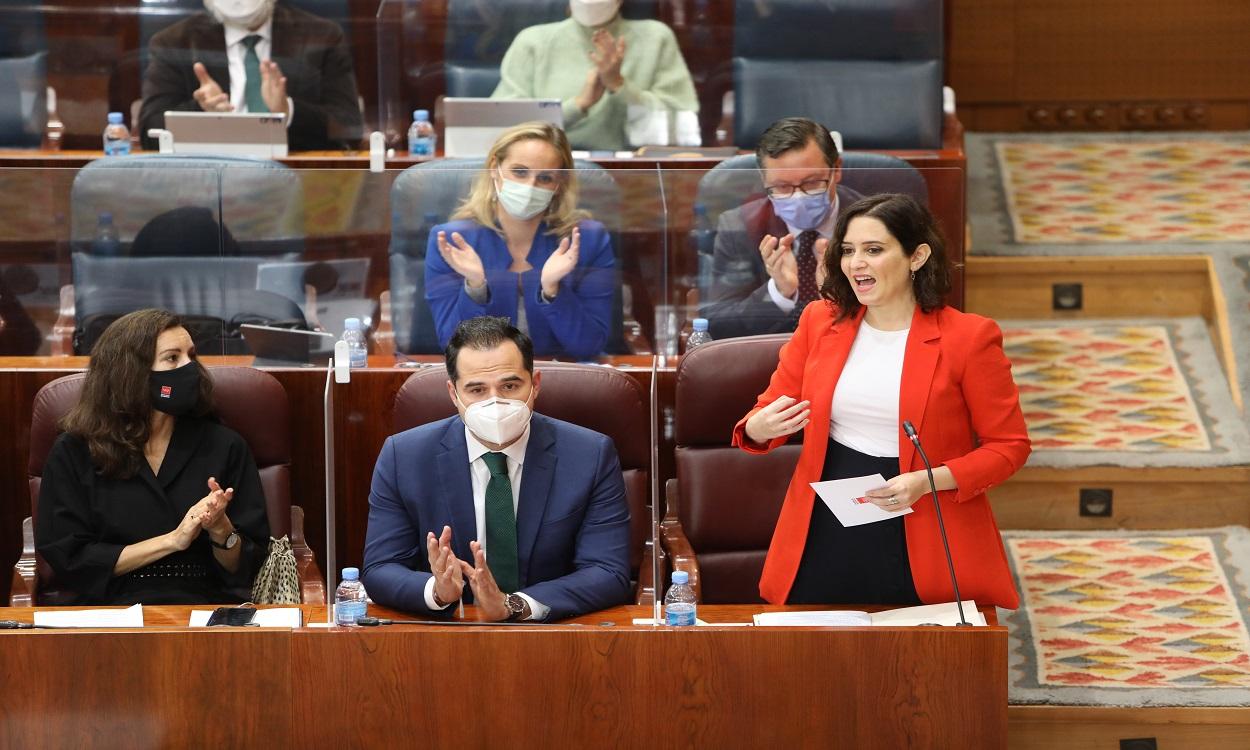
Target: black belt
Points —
{"points": [[172, 570]]}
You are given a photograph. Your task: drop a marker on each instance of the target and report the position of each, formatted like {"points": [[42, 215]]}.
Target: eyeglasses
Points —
{"points": [[809, 187]]}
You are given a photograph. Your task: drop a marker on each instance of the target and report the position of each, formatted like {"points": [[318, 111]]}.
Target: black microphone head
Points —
{"points": [[909, 429]]}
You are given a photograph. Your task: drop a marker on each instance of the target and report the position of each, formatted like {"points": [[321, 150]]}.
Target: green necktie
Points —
{"points": [[251, 69], [501, 553]]}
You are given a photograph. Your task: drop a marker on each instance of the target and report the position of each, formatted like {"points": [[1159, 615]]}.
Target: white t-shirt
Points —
{"points": [[865, 401]]}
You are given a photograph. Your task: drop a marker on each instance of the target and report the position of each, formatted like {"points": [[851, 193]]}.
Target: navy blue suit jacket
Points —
{"points": [[575, 324], [572, 519]]}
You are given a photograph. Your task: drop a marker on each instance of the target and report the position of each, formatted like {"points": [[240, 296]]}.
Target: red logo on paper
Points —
{"points": [[167, 391]]}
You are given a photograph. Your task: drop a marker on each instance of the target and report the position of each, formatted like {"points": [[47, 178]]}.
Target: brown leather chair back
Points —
{"points": [[251, 402], [598, 398], [728, 500]]}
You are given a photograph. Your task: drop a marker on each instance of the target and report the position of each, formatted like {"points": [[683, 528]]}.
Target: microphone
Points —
{"points": [[910, 429]]}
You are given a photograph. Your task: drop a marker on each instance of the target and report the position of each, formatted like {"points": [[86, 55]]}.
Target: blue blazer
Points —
{"points": [[572, 519], [575, 324]]}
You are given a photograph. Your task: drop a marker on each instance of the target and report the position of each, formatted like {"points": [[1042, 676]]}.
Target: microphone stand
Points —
{"points": [[950, 564]]}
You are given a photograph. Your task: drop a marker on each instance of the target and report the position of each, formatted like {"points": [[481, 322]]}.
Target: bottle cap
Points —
{"points": [[421, 114], [700, 324], [351, 323], [351, 574], [681, 576], [115, 118]]}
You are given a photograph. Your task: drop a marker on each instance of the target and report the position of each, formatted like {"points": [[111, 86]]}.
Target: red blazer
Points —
{"points": [[958, 392]]}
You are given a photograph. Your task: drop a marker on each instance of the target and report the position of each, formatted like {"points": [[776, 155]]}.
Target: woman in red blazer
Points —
{"points": [[880, 348]]}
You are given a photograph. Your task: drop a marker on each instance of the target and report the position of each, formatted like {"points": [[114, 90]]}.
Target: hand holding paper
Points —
{"points": [[843, 495]]}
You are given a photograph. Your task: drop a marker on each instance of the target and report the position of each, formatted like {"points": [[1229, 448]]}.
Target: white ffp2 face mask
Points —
{"points": [[247, 14], [593, 13], [497, 420]]}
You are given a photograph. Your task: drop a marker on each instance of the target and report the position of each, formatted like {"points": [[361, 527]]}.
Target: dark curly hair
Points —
{"points": [[114, 413], [912, 225]]}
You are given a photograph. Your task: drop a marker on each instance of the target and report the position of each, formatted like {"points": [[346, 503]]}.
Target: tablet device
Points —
{"points": [[471, 124], [261, 134], [284, 347]]}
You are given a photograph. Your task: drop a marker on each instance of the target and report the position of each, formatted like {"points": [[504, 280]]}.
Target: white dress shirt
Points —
{"points": [[825, 230], [236, 50], [480, 475]]}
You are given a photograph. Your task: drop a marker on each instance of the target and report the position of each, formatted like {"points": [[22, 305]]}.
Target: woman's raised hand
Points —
{"points": [[782, 417], [462, 258]]}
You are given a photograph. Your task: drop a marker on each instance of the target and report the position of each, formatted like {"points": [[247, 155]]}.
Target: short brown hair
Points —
{"points": [[790, 133], [114, 413], [912, 225]]}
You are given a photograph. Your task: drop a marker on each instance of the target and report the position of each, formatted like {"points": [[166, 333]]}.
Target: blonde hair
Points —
{"points": [[561, 216]]}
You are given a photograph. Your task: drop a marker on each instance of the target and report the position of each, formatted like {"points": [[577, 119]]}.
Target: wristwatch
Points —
{"points": [[231, 540], [515, 604]]}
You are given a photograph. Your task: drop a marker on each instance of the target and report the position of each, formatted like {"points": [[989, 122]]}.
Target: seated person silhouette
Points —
{"points": [[146, 497], [518, 247], [256, 56], [767, 252], [527, 510], [612, 75]]}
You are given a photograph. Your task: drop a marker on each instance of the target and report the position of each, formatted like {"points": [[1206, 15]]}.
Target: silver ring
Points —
{"points": [[892, 501]]}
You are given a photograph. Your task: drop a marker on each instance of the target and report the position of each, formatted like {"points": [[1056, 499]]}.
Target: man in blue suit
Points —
{"points": [[542, 500]]}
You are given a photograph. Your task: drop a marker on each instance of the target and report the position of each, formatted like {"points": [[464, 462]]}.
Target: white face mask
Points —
{"points": [[592, 13], [523, 201], [497, 420], [247, 14]]}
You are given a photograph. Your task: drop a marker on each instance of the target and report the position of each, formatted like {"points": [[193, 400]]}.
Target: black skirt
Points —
{"points": [[858, 565]]}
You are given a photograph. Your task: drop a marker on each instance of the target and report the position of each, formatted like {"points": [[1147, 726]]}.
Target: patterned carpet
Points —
{"points": [[1115, 192], [1128, 393], [1130, 618]]}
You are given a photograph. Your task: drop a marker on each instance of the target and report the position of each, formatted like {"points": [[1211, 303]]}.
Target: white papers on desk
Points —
{"points": [[130, 617], [926, 614], [277, 617], [841, 495]]}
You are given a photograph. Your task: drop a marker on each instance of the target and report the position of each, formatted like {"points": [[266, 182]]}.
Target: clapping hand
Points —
{"points": [[561, 263], [444, 566], [486, 594], [462, 258], [209, 95], [608, 54], [273, 87], [779, 262], [212, 509], [187, 530], [784, 416], [592, 91], [820, 248]]}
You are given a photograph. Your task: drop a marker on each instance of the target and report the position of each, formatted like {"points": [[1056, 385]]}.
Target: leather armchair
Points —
{"points": [[723, 505], [598, 398], [871, 69], [250, 402]]}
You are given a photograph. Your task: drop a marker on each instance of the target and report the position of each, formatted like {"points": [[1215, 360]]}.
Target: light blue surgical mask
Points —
{"points": [[803, 211], [523, 201]]}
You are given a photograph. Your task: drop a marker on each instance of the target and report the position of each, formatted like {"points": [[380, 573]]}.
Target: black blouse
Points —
{"points": [[85, 519]]}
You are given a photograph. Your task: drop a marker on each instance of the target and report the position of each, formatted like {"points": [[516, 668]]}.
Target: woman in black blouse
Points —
{"points": [[146, 497]]}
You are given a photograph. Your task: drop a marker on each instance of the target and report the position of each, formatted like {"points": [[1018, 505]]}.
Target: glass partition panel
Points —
{"points": [[739, 256]]}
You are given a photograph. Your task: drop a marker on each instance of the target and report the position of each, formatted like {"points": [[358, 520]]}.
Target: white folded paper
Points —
{"points": [[130, 617], [841, 496], [277, 617]]}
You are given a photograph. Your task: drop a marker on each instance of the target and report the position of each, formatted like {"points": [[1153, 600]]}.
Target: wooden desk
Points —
{"points": [[581, 684]]}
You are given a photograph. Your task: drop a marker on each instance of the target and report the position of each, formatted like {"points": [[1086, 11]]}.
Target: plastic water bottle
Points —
{"points": [[679, 602], [116, 136], [350, 601], [704, 235], [700, 335], [422, 139], [357, 351], [107, 244]]}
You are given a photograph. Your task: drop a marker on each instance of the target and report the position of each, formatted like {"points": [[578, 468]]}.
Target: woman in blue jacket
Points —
{"points": [[519, 248]]}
